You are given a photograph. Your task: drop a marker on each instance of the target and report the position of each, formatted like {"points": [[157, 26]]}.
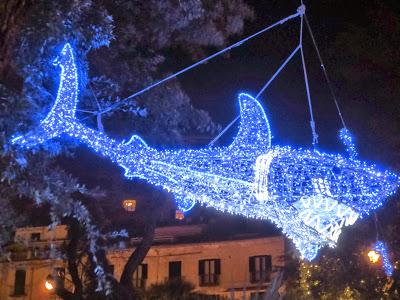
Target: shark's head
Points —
{"points": [[362, 186]]}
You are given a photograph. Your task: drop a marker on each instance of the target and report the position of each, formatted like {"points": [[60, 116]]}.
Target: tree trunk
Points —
{"points": [[75, 233], [143, 248]]}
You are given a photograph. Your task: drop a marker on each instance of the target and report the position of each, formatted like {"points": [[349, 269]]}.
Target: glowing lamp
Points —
{"points": [[49, 283], [179, 215], [129, 205], [373, 256]]}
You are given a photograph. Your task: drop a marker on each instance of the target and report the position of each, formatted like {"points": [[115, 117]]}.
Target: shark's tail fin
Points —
{"points": [[62, 115]]}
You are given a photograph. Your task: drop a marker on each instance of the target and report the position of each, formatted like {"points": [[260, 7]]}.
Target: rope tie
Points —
{"points": [[322, 65]]}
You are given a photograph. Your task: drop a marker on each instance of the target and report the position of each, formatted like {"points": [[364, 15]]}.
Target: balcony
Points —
{"points": [[260, 276], [139, 283], [209, 279]]}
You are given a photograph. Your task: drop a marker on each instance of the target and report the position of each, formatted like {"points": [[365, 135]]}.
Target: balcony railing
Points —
{"points": [[260, 276], [209, 279], [139, 283]]}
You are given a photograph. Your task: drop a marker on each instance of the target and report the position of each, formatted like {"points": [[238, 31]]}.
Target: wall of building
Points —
{"points": [[36, 273], [234, 256], [24, 234]]}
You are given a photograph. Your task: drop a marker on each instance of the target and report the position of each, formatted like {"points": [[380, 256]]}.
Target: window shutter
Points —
{"points": [[201, 267], [144, 271], [268, 263], [218, 266], [252, 266]]}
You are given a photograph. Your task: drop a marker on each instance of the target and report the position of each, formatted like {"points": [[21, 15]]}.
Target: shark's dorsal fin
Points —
{"points": [[254, 129], [136, 141]]}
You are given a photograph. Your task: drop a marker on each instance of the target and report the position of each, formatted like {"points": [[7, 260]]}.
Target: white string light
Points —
{"points": [[310, 195]]}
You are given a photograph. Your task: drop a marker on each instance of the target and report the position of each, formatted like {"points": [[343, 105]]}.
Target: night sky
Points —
{"points": [[215, 85]]}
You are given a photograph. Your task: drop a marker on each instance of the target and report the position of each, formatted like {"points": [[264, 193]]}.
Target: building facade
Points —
{"points": [[238, 268]]}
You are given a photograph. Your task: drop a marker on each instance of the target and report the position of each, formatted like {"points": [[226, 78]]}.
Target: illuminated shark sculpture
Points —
{"points": [[310, 195]]}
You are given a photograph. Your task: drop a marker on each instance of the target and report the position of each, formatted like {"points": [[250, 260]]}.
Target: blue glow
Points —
{"points": [[310, 195], [348, 140], [380, 247]]}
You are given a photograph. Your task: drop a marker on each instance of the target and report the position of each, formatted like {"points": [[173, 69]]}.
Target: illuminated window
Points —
{"points": [[260, 268], [209, 271], [129, 205], [179, 215]]}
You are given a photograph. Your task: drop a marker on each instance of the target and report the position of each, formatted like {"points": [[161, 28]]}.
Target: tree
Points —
{"points": [[138, 35]]}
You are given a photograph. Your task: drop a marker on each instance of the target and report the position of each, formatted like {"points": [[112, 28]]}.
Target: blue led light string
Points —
{"points": [[381, 248], [310, 195]]}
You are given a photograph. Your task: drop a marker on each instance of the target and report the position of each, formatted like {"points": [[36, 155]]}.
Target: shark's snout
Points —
{"points": [[391, 182]]}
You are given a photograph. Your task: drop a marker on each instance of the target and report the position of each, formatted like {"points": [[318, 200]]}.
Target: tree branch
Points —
{"points": [[143, 248], [75, 233]]}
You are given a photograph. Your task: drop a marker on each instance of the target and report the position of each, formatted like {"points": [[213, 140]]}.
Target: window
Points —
{"points": [[140, 276], [175, 269], [260, 268], [110, 269], [19, 284], [35, 236], [209, 271], [257, 296]]}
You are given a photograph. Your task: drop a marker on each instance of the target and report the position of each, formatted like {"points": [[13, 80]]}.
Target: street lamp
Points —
{"points": [[49, 283], [373, 256]]}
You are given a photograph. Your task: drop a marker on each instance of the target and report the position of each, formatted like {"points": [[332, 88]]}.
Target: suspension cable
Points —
{"points": [[300, 11], [330, 85], [210, 144], [239, 43], [265, 86], [312, 122], [278, 71]]}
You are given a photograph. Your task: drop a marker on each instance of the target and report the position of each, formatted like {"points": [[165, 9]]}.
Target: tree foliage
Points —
{"points": [[121, 46]]}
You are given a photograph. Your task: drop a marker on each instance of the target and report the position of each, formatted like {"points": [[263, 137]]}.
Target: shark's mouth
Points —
{"points": [[319, 210], [325, 215]]}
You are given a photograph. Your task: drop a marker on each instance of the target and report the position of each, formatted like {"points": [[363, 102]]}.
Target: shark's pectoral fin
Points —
{"points": [[136, 142], [254, 130]]}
